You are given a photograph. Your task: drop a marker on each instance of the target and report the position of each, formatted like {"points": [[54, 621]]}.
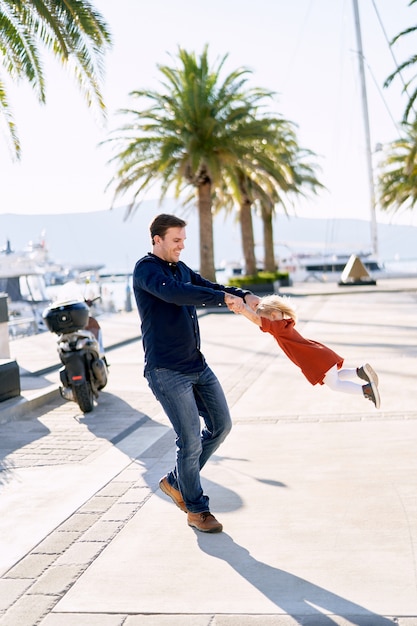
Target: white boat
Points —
{"points": [[26, 276], [22, 279], [304, 267]]}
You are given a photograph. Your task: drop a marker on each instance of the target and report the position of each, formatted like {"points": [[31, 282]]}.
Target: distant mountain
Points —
{"points": [[105, 237]]}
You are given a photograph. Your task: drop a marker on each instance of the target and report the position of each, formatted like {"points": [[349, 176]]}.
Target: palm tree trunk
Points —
{"points": [[248, 240], [207, 268], [268, 236]]}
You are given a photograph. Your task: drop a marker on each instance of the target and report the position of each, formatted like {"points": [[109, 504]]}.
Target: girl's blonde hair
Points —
{"points": [[267, 304]]}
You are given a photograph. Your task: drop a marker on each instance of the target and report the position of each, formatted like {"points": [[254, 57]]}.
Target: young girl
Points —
{"points": [[318, 363]]}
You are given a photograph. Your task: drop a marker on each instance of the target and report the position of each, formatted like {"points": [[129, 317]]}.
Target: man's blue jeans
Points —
{"points": [[184, 398]]}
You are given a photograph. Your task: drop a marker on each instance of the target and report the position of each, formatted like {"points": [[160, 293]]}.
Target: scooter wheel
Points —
{"points": [[84, 397]]}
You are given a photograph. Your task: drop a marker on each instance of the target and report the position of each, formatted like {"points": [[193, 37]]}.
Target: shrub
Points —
{"points": [[262, 278]]}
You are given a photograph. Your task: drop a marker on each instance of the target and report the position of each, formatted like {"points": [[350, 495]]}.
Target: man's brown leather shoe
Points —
{"points": [[173, 493], [205, 522]]}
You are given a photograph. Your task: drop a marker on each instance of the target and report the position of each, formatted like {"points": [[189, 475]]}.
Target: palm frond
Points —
{"points": [[72, 30]]}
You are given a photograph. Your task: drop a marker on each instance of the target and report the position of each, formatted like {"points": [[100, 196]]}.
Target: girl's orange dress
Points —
{"points": [[313, 358]]}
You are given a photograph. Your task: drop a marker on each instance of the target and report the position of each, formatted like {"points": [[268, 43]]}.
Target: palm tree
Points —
{"points": [[294, 175], [397, 178], [244, 194], [245, 180], [398, 72], [274, 169], [194, 132], [72, 30]]}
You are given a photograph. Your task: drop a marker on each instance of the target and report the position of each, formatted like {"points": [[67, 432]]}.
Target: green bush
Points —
{"points": [[262, 278]]}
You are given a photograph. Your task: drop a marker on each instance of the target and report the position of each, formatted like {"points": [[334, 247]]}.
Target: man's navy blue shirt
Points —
{"points": [[166, 296]]}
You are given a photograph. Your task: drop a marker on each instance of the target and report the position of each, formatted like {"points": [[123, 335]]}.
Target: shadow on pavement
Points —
{"points": [[115, 419], [294, 596], [12, 439]]}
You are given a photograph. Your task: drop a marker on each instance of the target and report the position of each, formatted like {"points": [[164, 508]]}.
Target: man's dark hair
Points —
{"points": [[161, 223]]}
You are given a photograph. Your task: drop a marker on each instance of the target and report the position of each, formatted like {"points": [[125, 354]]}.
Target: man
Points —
{"points": [[167, 292]]}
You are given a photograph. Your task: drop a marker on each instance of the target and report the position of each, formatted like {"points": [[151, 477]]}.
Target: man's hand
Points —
{"points": [[252, 301], [234, 303]]}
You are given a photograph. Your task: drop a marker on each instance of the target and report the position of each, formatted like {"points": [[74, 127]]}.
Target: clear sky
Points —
{"points": [[304, 50]]}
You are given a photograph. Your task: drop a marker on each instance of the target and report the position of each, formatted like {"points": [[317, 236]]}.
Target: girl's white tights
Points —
{"points": [[342, 380]]}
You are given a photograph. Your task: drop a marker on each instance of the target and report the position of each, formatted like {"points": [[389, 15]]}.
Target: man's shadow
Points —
{"points": [[307, 603], [293, 595], [15, 436]]}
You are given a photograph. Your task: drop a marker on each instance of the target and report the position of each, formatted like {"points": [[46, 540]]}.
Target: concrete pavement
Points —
{"points": [[317, 490]]}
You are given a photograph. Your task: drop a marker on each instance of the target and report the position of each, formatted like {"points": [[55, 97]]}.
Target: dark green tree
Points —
{"points": [[397, 176], [273, 172], [408, 64], [197, 131], [71, 30]]}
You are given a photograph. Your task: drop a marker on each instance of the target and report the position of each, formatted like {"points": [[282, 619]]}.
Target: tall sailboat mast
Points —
{"points": [[370, 169]]}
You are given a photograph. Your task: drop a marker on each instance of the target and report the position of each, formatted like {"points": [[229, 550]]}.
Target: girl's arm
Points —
{"points": [[251, 315]]}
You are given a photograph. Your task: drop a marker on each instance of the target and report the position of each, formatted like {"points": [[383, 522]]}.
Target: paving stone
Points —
{"points": [[121, 511], [28, 610], [132, 473], [56, 543], [102, 531], [136, 494], [98, 504], [31, 566], [79, 522], [115, 488], [80, 552], [56, 580], [11, 589]]}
